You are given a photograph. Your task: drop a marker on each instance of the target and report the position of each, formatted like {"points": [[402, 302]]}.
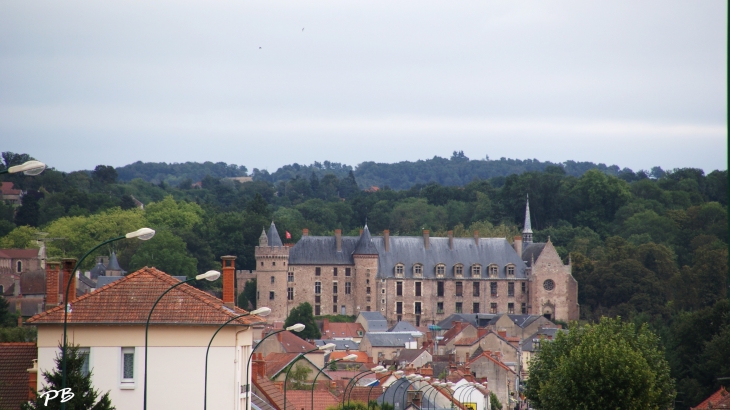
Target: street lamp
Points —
{"points": [[376, 369], [29, 168], [349, 358], [211, 275], [398, 373], [328, 346], [142, 234], [293, 328], [261, 312]]}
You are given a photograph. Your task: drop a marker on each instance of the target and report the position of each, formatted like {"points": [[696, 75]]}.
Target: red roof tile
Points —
{"points": [[18, 253], [292, 343], [8, 188], [302, 399], [271, 392], [454, 332], [362, 357], [15, 360], [129, 300], [275, 362], [718, 400], [342, 330]]}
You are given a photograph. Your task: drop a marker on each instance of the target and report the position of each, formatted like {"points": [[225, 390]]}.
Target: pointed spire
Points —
{"points": [[274, 238], [365, 244], [527, 231], [263, 239]]}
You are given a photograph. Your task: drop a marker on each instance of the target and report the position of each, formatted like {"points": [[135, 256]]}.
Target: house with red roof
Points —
{"points": [[288, 342], [9, 194], [109, 325], [489, 366], [342, 331], [718, 400]]}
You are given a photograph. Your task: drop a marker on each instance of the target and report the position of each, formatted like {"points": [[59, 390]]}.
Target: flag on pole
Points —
{"points": [[288, 235]]}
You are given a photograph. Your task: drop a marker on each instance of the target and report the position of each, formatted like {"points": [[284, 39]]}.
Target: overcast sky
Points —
{"points": [[267, 83]]}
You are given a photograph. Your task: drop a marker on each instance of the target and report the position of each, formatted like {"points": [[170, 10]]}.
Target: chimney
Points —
{"points": [[53, 270], [259, 365], [482, 331], [386, 239], [518, 246], [425, 239], [451, 239], [338, 239], [68, 265], [229, 280], [33, 379], [502, 333], [361, 231], [476, 237]]}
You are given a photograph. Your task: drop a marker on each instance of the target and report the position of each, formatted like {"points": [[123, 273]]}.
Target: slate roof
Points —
{"points": [[340, 344], [404, 327], [520, 320], [114, 263], [532, 251], [86, 281], [273, 235], [409, 355], [364, 244], [18, 253], [129, 300], [387, 339], [543, 334], [98, 270], [376, 321], [15, 360]]}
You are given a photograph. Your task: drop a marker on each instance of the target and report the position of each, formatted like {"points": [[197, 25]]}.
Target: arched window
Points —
{"points": [[418, 269], [458, 270], [440, 270], [399, 270], [493, 271], [476, 270]]}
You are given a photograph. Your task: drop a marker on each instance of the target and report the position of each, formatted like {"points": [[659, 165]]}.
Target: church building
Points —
{"points": [[419, 279]]}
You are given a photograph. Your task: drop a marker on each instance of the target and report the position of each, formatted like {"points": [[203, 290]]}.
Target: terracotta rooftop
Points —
{"points": [[18, 253], [271, 392], [302, 399], [342, 330], [719, 400], [454, 332], [362, 357], [129, 300], [15, 360], [292, 343], [488, 355], [8, 188], [275, 362]]}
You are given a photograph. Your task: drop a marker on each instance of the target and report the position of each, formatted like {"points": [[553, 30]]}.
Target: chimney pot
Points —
{"points": [[338, 239], [229, 280], [451, 239], [518, 245], [476, 237], [425, 239], [305, 232], [386, 239], [69, 264]]}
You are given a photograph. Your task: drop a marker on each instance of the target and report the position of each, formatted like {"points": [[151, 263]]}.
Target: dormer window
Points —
{"points": [[459, 270], [476, 270], [511, 270], [493, 271], [399, 268], [440, 270], [418, 269]]}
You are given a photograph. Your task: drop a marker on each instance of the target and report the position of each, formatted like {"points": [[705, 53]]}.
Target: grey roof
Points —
{"points": [[274, 238], [98, 270], [114, 263], [387, 339], [403, 327], [528, 225], [529, 346], [365, 245], [86, 281], [322, 250], [532, 252], [519, 320], [339, 344], [395, 392], [475, 319], [376, 321], [409, 355]]}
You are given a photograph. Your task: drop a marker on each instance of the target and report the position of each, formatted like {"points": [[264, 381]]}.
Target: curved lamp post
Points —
{"points": [[142, 234], [385, 392], [211, 275], [422, 379], [410, 379], [262, 312], [30, 168], [398, 373], [293, 328], [348, 358], [433, 394], [469, 387], [446, 387], [376, 369], [328, 346]]}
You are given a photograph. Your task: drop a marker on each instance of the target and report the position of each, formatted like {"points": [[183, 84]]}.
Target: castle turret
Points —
{"points": [[365, 257], [527, 231], [272, 258]]}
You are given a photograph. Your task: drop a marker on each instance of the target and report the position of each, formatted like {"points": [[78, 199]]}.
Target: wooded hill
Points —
{"points": [[649, 248]]}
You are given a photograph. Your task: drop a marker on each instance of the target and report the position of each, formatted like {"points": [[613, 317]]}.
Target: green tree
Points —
{"points": [[167, 253], [105, 174], [5, 314], [20, 238], [247, 298], [494, 401], [85, 396], [610, 365], [176, 215], [303, 314], [298, 377]]}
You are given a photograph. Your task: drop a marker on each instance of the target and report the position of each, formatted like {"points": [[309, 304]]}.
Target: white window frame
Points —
{"points": [[127, 383]]}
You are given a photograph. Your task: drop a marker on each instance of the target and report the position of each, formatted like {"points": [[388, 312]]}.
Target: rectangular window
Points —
{"points": [[316, 310], [317, 288], [510, 270], [399, 307], [418, 288], [334, 309], [271, 296], [348, 288], [273, 279], [440, 307], [524, 309], [417, 308], [348, 272], [317, 271], [399, 288], [334, 271], [290, 277], [399, 270], [459, 288], [440, 270], [84, 353], [475, 289], [493, 308], [367, 308], [418, 269], [524, 287], [493, 288], [459, 270], [367, 290], [510, 308], [474, 308], [458, 307], [318, 299], [440, 289], [334, 288], [510, 289], [127, 364], [289, 293], [334, 298]]}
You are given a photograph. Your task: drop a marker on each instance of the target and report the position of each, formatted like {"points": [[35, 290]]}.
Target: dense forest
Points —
{"points": [[651, 247]]}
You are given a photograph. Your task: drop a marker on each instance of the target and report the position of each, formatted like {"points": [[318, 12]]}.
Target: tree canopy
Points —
{"points": [[303, 314]]}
